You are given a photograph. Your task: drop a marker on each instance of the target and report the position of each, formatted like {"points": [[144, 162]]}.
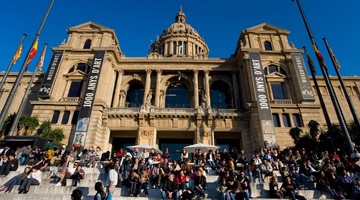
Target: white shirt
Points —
{"points": [[113, 176], [35, 175]]}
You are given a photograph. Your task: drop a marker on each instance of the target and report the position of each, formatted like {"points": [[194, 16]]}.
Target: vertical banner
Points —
{"points": [[262, 99], [307, 93], [48, 81], [87, 102]]}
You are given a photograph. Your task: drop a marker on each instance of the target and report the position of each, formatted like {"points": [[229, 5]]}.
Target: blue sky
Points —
{"points": [[138, 22]]}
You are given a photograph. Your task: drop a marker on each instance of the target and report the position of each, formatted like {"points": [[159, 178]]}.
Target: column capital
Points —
{"points": [[120, 71], [196, 71], [206, 71], [159, 71], [148, 71]]}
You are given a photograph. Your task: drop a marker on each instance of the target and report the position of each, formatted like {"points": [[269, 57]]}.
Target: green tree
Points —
{"points": [[295, 134], [27, 125], [313, 129], [45, 131], [8, 123]]}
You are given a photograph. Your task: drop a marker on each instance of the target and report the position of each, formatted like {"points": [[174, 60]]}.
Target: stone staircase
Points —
{"points": [[47, 190]]}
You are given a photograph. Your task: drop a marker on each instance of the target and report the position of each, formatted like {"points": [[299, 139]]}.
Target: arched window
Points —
{"points": [[87, 44], [268, 46], [135, 95], [272, 69], [177, 96], [76, 80], [220, 97]]}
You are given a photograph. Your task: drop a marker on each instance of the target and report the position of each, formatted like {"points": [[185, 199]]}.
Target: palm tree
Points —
{"points": [[8, 123], [314, 129], [45, 131], [27, 125], [295, 134], [57, 135]]}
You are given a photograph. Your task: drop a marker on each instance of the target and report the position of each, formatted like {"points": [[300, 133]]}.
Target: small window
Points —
{"points": [[297, 120], [185, 49], [272, 69], [55, 117], [87, 44], [286, 120], [278, 91], [65, 118], [268, 46], [75, 89], [276, 120], [75, 117]]}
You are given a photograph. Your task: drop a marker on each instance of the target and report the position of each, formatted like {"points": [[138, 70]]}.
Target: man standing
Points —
{"points": [[113, 178]]}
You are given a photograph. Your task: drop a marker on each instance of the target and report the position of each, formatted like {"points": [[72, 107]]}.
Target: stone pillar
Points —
{"points": [[116, 96], [146, 135], [207, 89], [122, 98], [171, 47], [147, 85], [166, 47], [196, 88], [157, 90], [236, 91]]}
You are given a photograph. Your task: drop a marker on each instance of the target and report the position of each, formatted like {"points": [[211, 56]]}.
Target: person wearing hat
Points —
{"points": [[61, 155]]}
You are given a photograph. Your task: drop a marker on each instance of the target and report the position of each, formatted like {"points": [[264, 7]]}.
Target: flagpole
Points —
{"points": [[11, 62], [327, 81], [22, 70], [348, 99], [321, 100], [25, 98]]}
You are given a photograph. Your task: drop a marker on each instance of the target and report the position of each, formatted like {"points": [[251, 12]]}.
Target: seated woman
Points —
{"points": [[275, 191], [143, 183], [34, 178], [291, 190], [65, 174], [222, 190], [77, 175], [16, 180], [134, 180], [43, 164], [187, 188]]}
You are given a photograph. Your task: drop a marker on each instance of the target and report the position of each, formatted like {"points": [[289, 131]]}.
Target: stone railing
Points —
{"points": [[123, 111], [70, 99], [162, 111], [282, 101]]}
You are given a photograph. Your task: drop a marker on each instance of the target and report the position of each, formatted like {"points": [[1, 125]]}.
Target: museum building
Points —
{"points": [[177, 95]]}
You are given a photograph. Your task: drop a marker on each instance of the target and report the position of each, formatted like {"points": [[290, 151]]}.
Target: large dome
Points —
{"points": [[179, 40]]}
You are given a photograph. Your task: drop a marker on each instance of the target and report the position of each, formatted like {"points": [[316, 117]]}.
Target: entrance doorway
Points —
{"points": [[118, 143], [175, 146], [228, 144]]}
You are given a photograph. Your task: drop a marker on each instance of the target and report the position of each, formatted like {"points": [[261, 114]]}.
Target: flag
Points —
{"points": [[32, 53], [336, 63], [319, 56], [41, 61], [311, 63], [17, 54]]}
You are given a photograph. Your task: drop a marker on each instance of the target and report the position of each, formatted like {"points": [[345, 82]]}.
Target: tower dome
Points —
{"points": [[181, 40]]}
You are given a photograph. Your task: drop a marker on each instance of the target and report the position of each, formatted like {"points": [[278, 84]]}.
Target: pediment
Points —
{"points": [[265, 27], [88, 26], [276, 75], [76, 73]]}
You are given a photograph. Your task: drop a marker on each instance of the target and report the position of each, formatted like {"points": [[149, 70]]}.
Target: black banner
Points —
{"points": [[307, 93], [262, 99], [87, 103], [48, 81]]}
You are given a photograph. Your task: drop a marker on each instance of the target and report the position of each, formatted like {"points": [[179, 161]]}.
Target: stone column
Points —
{"points": [[196, 88], [157, 90], [207, 89], [166, 47], [171, 47], [116, 96], [122, 98], [236, 91], [147, 85]]}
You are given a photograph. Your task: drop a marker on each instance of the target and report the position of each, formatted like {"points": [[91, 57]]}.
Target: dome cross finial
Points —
{"points": [[180, 17]]}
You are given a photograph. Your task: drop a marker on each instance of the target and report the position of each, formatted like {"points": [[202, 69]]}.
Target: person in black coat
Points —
{"points": [[200, 184], [170, 189]]}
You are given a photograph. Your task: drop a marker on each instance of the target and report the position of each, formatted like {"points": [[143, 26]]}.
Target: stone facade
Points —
{"points": [[141, 100]]}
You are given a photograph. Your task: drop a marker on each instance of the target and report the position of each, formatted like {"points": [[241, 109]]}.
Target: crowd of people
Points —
{"points": [[334, 173]]}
